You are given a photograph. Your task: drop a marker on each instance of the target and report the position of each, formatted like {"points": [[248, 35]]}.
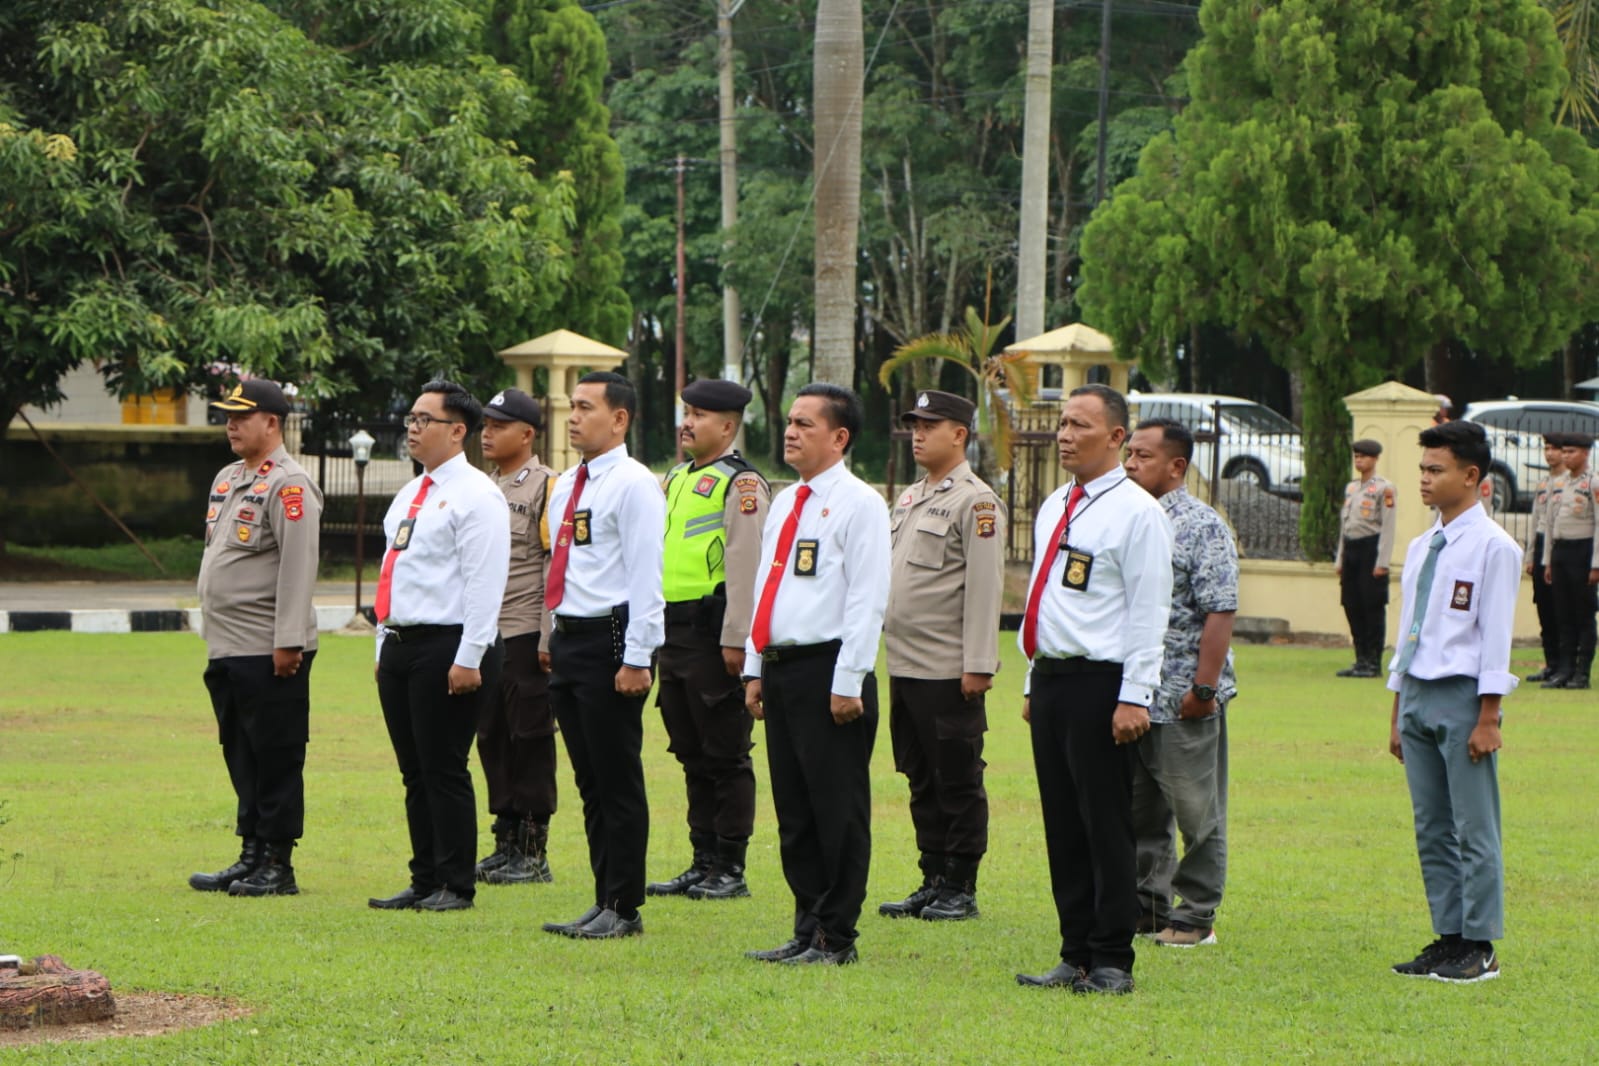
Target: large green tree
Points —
{"points": [[1356, 185]]}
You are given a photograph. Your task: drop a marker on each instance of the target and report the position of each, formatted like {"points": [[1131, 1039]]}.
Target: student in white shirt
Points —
{"points": [[1460, 583]]}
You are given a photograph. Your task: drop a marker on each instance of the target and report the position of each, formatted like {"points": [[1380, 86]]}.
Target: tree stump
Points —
{"points": [[46, 991]]}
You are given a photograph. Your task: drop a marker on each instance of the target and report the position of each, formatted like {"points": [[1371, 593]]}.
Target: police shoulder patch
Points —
{"points": [[1388, 497]]}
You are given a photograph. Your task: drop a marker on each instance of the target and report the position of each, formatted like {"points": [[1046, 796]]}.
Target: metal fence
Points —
{"points": [[321, 445]]}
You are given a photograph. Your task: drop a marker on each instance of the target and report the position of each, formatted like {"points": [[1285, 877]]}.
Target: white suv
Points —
{"points": [[1254, 444], [1515, 433]]}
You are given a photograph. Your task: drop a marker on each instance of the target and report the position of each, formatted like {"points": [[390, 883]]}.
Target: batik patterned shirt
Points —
{"points": [[1204, 581]]}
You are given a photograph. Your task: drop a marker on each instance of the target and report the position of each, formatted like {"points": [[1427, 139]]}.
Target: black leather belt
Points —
{"points": [[782, 653], [1048, 667], [405, 634], [565, 624]]}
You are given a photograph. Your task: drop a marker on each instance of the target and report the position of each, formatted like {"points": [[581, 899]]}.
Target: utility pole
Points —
{"points": [[732, 333], [682, 300], [1031, 266], [1104, 98]]}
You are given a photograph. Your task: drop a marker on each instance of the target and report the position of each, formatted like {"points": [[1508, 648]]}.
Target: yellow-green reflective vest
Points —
{"points": [[696, 534]]}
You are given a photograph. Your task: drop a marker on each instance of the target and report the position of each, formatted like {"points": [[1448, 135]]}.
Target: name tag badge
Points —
{"points": [[581, 533], [805, 558], [1079, 565], [402, 536]]}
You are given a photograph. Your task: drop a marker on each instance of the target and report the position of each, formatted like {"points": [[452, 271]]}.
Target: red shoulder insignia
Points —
{"points": [[290, 490], [265, 468]]}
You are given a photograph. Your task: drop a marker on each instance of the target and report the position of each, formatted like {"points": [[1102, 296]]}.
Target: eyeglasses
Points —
{"points": [[423, 421]]}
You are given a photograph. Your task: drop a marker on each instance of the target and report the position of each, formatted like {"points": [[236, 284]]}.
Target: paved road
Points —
{"points": [[137, 595]]}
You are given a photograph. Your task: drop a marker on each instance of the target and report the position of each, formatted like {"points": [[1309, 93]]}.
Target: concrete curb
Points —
{"points": [[174, 620]]}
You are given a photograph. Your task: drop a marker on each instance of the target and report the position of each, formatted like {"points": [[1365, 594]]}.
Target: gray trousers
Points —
{"points": [[1180, 785], [1456, 803]]}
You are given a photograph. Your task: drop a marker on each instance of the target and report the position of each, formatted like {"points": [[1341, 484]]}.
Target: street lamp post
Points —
{"points": [[361, 448]]}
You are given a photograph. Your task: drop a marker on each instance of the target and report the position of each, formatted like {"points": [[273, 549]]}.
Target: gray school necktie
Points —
{"points": [[1423, 593]]}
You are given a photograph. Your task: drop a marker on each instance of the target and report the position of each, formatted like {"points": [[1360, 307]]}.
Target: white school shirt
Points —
{"points": [[621, 563], [1471, 609], [845, 598], [1120, 617], [453, 569]]}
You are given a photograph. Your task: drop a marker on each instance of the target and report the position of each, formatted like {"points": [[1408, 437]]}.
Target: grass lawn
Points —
{"points": [[116, 792]]}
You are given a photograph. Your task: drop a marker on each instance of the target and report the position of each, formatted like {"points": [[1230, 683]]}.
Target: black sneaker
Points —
{"points": [[1474, 962], [1438, 951]]}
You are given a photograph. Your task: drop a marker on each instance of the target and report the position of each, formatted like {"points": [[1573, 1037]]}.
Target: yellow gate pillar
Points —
{"points": [[567, 356]]}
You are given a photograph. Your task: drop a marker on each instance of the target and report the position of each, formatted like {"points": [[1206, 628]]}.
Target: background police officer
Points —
{"points": [[715, 507], [1365, 547], [942, 634], [1571, 562], [1537, 533], [256, 579], [516, 731]]}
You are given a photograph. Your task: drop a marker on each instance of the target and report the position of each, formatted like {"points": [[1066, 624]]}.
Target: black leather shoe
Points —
{"points": [[680, 884], [1557, 680], [444, 900], [911, 906], [273, 879], [565, 928], [404, 900], [780, 953], [1348, 671], [951, 905], [1063, 976], [1365, 670], [1579, 681], [1542, 675], [816, 955], [721, 884], [607, 925], [1105, 980], [250, 856]]}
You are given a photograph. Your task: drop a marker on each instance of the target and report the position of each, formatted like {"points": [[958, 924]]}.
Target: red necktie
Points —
{"points": [[386, 578], [1030, 619], [555, 580], [761, 629]]}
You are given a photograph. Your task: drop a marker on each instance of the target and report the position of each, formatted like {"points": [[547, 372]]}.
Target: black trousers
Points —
{"points": [[516, 736], [431, 731], [1575, 602], [709, 731], [1364, 598], [822, 790], [938, 746], [1543, 600], [263, 723], [604, 735], [1085, 786]]}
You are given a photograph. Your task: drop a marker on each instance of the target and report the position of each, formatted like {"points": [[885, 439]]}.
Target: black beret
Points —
{"points": [[934, 406], [256, 394], [514, 405], [715, 394], [1577, 440], [1366, 447]]}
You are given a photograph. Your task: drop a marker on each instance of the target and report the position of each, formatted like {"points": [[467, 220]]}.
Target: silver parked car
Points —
{"points": [[1253, 443], [1515, 433]]}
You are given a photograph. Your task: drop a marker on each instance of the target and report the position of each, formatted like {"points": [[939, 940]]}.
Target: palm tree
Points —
{"points": [[1577, 23], [837, 84]]}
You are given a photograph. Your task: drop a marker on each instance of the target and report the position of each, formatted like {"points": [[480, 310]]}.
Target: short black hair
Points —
{"points": [[1115, 403], [620, 395], [458, 401], [1174, 433], [1466, 441], [841, 406]]}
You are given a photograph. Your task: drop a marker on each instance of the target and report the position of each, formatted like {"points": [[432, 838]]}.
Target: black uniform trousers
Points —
{"points": [[821, 789], [516, 736], [1575, 603], [938, 746], [604, 735], [431, 731], [1543, 600], [1085, 787], [709, 730], [1364, 597], [263, 723]]}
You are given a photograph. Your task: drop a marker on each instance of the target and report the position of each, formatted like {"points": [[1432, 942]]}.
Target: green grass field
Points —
{"points": [[115, 791]]}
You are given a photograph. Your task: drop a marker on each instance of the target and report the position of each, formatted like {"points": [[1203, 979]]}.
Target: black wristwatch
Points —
{"points": [[747, 678], [1204, 693]]}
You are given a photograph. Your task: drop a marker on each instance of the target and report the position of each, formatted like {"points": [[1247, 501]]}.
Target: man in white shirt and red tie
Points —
{"points": [[1451, 672], [808, 672], [439, 649], [1094, 630], [603, 591]]}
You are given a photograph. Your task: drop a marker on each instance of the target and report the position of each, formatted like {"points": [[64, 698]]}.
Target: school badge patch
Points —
{"points": [[1461, 599]]}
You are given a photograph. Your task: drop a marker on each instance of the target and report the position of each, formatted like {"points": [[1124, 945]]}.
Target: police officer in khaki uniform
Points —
{"points": [[715, 508], [1365, 547], [1571, 562], [942, 633], [516, 731], [262, 533], [1554, 456]]}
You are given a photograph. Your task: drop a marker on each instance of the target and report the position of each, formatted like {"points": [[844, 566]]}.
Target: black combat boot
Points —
{"points": [[726, 878], [911, 906], [957, 893], [274, 877], [704, 855], [249, 859], [527, 863], [504, 841]]}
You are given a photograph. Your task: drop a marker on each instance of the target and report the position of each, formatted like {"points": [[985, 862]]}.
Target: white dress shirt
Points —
{"points": [[621, 563], [1120, 616], [1471, 609], [453, 569], [845, 597]]}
